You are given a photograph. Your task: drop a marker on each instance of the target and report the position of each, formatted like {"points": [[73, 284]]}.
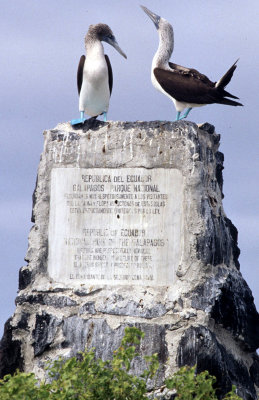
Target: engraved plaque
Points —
{"points": [[115, 226]]}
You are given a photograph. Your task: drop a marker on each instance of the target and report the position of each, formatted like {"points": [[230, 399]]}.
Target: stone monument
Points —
{"points": [[129, 229]]}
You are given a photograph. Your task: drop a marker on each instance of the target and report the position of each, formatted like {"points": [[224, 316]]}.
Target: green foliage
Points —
{"points": [[91, 379], [87, 378], [232, 395], [192, 386], [21, 386]]}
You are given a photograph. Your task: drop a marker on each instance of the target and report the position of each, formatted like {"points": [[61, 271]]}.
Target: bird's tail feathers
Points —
{"points": [[229, 102], [227, 94], [222, 82]]}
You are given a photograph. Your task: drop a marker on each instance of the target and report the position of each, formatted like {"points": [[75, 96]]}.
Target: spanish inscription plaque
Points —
{"points": [[115, 226]]}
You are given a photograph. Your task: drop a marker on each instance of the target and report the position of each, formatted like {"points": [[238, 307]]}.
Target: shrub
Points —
{"points": [[88, 378]]}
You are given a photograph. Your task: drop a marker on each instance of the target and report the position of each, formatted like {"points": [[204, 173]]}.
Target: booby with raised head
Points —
{"points": [[94, 74], [186, 87]]}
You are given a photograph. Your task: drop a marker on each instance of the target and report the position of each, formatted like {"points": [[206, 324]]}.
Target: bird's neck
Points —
{"points": [[165, 48], [94, 48]]}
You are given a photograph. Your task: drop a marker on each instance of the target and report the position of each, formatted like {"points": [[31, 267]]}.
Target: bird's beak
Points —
{"points": [[113, 42], [155, 18]]}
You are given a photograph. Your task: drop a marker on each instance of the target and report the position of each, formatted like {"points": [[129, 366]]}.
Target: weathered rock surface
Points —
{"points": [[200, 346], [206, 316]]}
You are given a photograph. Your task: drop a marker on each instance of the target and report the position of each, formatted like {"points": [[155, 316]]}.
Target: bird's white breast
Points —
{"points": [[159, 87], [95, 93]]}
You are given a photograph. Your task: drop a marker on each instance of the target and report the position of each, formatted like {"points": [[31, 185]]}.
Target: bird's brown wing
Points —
{"points": [[80, 71], [186, 86], [109, 72], [192, 72]]}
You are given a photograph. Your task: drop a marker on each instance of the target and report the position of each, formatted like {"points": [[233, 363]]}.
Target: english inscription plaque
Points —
{"points": [[115, 226]]}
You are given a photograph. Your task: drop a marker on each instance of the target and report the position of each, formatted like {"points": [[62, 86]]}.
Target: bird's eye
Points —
{"points": [[109, 36]]}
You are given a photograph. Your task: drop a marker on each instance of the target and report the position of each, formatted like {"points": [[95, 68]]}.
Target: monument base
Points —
{"points": [[129, 230]]}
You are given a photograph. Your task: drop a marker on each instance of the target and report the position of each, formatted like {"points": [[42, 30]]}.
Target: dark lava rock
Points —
{"points": [[44, 299], [10, 352], [31, 299], [199, 346], [80, 334], [45, 329], [84, 293], [234, 236], [202, 296], [207, 128], [23, 323], [219, 243], [254, 370], [117, 306], [234, 309], [25, 277], [219, 168]]}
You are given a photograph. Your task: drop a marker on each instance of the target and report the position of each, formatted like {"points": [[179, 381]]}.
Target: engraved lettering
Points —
{"points": [[115, 226]]}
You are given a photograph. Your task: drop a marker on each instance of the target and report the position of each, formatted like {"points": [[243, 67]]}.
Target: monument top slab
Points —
{"points": [[117, 203]]}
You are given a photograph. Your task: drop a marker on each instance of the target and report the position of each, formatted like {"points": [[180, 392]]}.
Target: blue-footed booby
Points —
{"points": [[94, 74], [186, 87]]}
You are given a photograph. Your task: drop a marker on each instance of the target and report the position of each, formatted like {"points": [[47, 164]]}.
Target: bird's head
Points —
{"points": [[103, 33], [161, 24]]}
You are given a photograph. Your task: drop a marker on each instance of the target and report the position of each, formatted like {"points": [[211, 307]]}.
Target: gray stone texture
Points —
{"points": [[206, 317]]}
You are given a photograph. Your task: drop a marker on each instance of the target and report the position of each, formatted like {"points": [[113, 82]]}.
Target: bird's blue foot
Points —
{"points": [[77, 121], [177, 116], [80, 120], [186, 113], [105, 116]]}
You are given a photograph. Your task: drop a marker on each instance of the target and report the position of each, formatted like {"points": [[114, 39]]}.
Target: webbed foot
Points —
{"points": [[80, 120], [186, 113], [77, 121], [179, 117]]}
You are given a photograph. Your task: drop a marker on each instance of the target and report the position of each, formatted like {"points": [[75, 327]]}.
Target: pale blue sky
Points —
{"points": [[41, 43]]}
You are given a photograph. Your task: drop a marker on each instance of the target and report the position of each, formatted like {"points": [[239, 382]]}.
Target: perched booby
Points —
{"points": [[94, 74], [186, 87]]}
